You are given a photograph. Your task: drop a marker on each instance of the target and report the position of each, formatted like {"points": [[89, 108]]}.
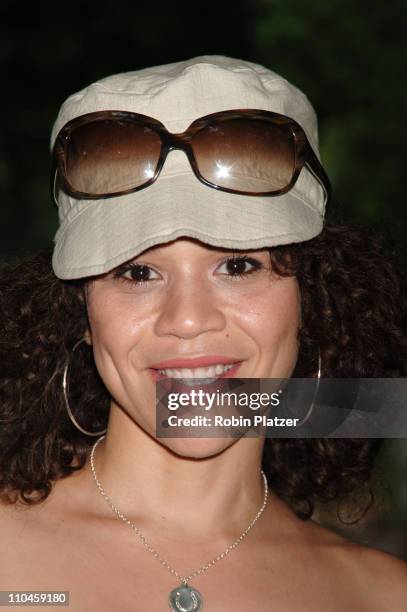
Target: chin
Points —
{"points": [[197, 448]]}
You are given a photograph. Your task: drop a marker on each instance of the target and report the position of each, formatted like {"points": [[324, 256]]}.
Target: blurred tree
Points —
{"points": [[349, 57]]}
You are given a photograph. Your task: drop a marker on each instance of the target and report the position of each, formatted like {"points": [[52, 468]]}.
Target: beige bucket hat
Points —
{"points": [[94, 236]]}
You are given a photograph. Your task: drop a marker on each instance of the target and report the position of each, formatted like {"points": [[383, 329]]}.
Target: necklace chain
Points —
{"points": [[147, 545]]}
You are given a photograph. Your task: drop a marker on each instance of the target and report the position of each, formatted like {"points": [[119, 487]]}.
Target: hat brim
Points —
{"points": [[98, 235]]}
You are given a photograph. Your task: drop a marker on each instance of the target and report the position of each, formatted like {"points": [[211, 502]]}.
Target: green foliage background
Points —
{"points": [[348, 56]]}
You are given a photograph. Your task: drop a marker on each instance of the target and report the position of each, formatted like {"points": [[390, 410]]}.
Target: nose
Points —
{"points": [[189, 309]]}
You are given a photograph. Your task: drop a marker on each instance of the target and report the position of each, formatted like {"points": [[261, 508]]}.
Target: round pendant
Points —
{"points": [[185, 599]]}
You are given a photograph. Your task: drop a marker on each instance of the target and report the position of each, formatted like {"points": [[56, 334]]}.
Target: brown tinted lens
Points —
{"points": [[246, 154], [109, 156]]}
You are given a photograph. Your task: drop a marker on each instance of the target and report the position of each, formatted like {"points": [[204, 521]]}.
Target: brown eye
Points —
{"points": [[240, 266], [137, 273]]}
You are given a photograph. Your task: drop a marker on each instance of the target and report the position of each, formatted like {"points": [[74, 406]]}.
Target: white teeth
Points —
{"points": [[208, 372], [192, 373]]}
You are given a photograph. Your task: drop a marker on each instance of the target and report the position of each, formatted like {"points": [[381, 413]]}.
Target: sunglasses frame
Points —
{"points": [[304, 154]]}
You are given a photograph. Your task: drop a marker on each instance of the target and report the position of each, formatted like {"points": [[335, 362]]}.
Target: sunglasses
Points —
{"points": [[251, 152]]}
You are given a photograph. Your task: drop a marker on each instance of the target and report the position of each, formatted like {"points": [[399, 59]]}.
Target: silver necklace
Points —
{"points": [[183, 598]]}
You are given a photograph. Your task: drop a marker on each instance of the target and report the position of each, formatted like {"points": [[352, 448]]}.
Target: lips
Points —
{"points": [[183, 363], [193, 362]]}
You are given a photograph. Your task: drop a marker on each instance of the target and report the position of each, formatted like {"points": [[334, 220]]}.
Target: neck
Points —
{"points": [[188, 498]]}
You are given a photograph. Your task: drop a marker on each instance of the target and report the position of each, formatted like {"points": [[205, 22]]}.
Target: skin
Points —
{"points": [[190, 497], [191, 305]]}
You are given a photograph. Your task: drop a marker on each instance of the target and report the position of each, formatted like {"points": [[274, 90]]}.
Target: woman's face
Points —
{"points": [[185, 300]]}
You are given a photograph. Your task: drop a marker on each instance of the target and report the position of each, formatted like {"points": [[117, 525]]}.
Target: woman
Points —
{"points": [[213, 261]]}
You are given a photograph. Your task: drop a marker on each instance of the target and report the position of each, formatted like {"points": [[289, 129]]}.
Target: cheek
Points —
{"points": [[116, 330], [272, 317]]}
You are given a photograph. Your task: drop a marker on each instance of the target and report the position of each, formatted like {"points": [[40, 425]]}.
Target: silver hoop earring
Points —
{"points": [[65, 392], [311, 408]]}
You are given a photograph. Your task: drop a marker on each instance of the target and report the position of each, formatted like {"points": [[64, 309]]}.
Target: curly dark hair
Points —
{"points": [[354, 309]]}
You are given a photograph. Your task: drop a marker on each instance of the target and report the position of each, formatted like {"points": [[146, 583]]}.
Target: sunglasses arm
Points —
{"points": [[53, 183], [314, 166]]}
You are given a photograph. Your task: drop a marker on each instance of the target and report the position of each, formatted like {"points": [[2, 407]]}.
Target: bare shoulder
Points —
{"points": [[24, 524], [33, 535], [15, 523], [379, 576], [355, 575], [384, 576], [17, 520], [19, 512], [12, 515]]}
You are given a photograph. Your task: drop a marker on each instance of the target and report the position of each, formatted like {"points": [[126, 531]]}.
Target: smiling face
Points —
{"points": [[186, 305]]}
